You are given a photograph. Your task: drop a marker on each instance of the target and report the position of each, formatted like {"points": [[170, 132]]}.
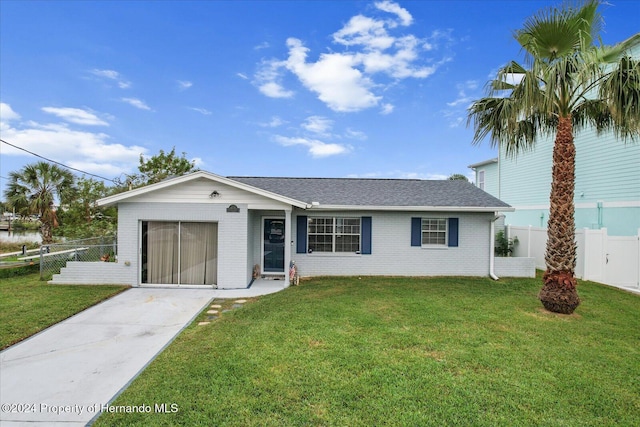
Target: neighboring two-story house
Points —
{"points": [[607, 181]]}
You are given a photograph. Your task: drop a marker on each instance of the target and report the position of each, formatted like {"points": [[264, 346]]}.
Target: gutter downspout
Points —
{"points": [[492, 247]]}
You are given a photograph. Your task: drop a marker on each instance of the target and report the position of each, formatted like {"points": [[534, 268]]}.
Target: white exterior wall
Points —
{"points": [[232, 235], [515, 267], [93, 273], [392, 253], [191, 201]]}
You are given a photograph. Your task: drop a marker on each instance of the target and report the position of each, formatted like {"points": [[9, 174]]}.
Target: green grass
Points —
{"points": [[29, 305], [401, 351]]}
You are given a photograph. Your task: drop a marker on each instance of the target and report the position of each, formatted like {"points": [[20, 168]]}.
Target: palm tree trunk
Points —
{"points": [[46, 232], [559, 292]]}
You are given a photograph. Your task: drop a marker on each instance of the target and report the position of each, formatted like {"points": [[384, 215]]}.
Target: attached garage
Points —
{"points": [[179, 253]]}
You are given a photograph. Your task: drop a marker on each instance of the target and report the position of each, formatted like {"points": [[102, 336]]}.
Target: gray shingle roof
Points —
{"points": [[377, 192]]}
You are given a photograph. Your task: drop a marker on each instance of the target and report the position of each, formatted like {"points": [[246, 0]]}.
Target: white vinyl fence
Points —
{"points": [[613, 260]]}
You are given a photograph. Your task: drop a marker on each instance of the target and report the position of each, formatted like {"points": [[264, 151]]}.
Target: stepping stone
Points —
{"points": [[203, 323], [212, 312], [212, 317], [216, 306], [240, 301]]}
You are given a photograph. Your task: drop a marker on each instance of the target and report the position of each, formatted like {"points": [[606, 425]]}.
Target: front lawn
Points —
{"points": [[29, 305], [401, 351]]}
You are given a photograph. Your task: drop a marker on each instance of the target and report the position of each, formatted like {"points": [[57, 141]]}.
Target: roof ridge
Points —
{"points": [[337, 178]]}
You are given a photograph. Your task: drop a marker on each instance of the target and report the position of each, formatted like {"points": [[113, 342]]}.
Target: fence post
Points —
{"points": [[604, 236], [529, 242], [638, 263], [41, 260]]}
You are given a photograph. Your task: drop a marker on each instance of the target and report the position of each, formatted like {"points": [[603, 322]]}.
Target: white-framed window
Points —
{"points": [[481, 180], [434, 231], [334, 234]]}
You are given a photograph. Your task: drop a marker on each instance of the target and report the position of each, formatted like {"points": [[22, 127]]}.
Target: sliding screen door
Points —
{"points": [[198, 253], [179, 253]]}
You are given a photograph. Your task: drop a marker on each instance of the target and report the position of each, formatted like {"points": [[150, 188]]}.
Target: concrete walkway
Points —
{"points": [[69, 373]]}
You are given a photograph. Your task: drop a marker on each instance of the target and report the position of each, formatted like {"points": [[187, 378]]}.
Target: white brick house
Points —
{"points": [[204, 229]]}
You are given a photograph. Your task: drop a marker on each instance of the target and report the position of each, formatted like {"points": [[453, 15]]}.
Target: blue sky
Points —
{"points": [[258, 88]]}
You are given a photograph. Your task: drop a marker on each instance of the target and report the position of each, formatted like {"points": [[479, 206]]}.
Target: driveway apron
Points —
{"points": [[69, 373]]}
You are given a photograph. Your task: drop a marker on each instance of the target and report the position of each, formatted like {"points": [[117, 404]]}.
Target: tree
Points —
{"points": [[81, 218], [568, 84], [161, 166], [35, 188], [458, 177]]}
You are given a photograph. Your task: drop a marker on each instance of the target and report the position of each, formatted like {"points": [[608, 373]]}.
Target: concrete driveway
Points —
{"points": [[70, 372]]}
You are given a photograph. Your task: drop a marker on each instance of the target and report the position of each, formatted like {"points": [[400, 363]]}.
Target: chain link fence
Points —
{"points": [[56, 255]]}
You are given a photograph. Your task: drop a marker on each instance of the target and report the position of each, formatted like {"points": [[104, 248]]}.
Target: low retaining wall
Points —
{"points": [[515, 267], [93, 273]]}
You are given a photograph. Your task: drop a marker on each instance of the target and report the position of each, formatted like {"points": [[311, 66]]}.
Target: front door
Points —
{"points": [[273, 245]]}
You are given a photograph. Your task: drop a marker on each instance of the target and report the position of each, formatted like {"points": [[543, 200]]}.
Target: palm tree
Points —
{"points": [[568, 84], [33, 190]]}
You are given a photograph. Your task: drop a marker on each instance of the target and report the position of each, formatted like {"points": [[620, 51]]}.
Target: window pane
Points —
{"points": [[320, 234], [348, 243], [321, 225], [434, 231], [320, 243], [348, 225]]}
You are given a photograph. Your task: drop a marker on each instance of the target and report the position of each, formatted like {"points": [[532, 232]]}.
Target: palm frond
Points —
{"points": [[555, 32], [620, 89], [503, 120]]}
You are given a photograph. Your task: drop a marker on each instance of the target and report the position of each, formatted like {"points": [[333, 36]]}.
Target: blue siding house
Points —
{"points": [[607, 191]]}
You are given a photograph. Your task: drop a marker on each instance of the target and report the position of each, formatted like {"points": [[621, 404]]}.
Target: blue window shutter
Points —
{"points": [[365, 232], [416, 231], [301, 234], [453, 232]]}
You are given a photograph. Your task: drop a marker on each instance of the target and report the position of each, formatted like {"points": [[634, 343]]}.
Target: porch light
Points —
{"points": [[213, 194]]}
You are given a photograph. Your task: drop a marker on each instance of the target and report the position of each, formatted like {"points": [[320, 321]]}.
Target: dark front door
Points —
{"points": [[273, 245]]}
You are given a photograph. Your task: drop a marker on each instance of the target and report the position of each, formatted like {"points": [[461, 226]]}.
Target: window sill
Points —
{"points": [[435, 247], [334, 254]]}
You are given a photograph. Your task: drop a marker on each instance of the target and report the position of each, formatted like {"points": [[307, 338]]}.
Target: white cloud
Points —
{"points": [[275, 90], [112, 75], [263, 45], [355, 134], [273, 123], [184, 84], [388, 6], [348, 81], [7, 114], [201, 110], [368, 32], [333, 77], [268, 80], [242, 76], [456, 113], [387, 109], [456, 122], [317, 124], [316, 147], [76, 115], [89, 151], [137, 103]]}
